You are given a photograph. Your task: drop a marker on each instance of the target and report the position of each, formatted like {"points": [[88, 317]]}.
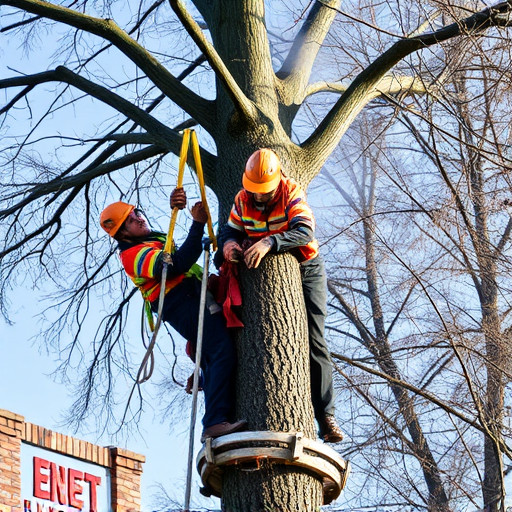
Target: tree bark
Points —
{"points": [[487, 256], [273, 387]]}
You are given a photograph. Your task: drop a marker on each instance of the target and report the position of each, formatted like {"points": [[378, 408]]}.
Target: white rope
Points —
{"points": [[145, 373], [199, 346]]}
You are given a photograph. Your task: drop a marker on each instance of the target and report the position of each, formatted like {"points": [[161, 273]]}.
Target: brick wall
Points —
{"points": [[11, 433], [125, 466]]}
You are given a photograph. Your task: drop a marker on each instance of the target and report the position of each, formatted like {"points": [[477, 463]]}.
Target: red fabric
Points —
{"points": [[190, 351], [226, 291]]}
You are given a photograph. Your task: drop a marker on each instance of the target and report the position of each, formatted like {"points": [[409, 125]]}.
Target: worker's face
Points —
{"points": [[135, 225], [264, 198]]}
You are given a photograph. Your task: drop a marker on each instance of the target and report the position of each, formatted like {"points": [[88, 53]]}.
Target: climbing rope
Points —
{"points": [[148, 363], [195, 388], [147, 366]]}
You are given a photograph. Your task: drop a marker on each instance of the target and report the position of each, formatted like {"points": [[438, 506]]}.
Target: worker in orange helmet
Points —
{"points": [[271, 212], [141, 251]]}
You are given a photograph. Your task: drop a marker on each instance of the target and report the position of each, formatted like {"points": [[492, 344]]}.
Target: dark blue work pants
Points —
{"points": [[314, 286], [181, 311]]}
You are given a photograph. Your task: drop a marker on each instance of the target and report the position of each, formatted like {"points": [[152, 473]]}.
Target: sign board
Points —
{"points": [[52, 482]]}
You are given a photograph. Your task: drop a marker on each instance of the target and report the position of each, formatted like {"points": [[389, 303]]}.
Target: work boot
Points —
{"points": [[330, 432], [222, 429]]}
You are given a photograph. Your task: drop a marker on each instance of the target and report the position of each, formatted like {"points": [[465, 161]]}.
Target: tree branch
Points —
{"points": [[296, 69], [16, 98], [240, 100], [164, 136], [390, 85], [367, 337], [111, 150], [55, 220], [319, 87], [166, 140], [362, 90], [80, 179], [504, 238], [422, 393], [192, 103]]}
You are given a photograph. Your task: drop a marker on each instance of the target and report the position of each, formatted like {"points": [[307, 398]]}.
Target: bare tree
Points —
{"points": [[118, 56], [426, 296]]}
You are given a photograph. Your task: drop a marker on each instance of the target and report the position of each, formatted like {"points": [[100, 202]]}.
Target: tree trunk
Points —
{"points": [[492, 489], [273, 387], [487, 256], [437, 498]]}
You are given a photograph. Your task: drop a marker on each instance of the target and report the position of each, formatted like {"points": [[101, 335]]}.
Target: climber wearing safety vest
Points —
{"points": [[141, 251], [272, 213]]}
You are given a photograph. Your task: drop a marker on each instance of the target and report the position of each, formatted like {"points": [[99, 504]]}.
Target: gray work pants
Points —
{"points": [[314, 286]]}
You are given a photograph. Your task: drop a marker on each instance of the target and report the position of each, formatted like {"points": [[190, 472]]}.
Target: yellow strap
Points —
{"points": [[187, 134], [200, 177], [181, 172], [149, 314]]}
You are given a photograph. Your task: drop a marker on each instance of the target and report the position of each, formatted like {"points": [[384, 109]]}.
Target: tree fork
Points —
{"points": [[273, 387]]}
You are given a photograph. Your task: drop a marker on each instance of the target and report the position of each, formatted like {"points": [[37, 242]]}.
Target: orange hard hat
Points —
{"points": [[113, 216], [262, 172]]}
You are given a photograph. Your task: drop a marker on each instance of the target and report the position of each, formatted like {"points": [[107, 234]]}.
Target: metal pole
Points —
{"points": [[199, 345]]}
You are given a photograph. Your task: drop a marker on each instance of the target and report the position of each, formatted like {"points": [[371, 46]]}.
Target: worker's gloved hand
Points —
{"points": [[198, 213], [178, 198], [232, 251], [256, 252]]}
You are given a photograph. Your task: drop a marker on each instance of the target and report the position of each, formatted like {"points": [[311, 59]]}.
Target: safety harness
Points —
{"points": [[189, 136]]}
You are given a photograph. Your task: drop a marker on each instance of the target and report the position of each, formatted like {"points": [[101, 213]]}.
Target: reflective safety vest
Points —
{"points": [[140, 262], [287, 209]]}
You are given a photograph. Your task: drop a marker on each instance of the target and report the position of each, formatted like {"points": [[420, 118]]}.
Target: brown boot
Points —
{"points": [[330, 432], [222, 429]]}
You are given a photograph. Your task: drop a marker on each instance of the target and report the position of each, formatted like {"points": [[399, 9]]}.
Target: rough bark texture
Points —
{"points": [[492, 490], [273, 387]]}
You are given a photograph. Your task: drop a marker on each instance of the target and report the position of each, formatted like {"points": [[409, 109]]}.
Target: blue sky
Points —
{"points": [[28, 388]]}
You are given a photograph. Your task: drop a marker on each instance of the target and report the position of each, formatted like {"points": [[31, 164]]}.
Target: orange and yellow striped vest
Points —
{"points": [[287, 208], [140, 261]]}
